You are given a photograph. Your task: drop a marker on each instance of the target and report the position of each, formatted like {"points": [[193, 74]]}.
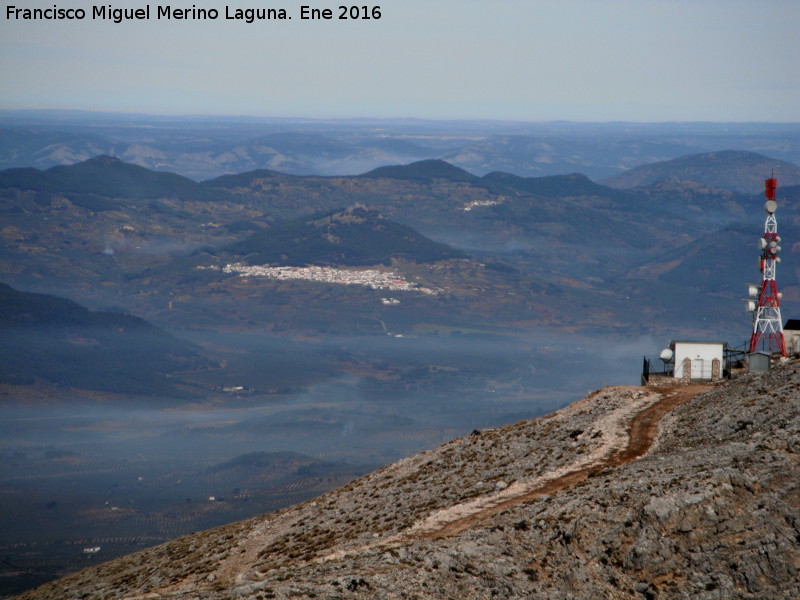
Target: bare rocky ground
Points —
{"points": [[629, 493]]}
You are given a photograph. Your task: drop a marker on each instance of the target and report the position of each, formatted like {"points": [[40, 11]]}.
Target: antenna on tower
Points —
{"points": [[767, 323]]}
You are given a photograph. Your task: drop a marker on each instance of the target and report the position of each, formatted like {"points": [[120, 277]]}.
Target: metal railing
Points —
{"points": [[648, 370]]}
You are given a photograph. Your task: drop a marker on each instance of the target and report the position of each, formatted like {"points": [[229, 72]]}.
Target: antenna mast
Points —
{"points": [[767, 323]]}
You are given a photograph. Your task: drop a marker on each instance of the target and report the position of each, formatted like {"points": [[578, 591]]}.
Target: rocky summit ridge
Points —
{"points": [[680, 492]]}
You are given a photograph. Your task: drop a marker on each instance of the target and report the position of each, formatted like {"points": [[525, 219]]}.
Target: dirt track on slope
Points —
{"points": [[638, 433], [637, 430], [642, 434]]}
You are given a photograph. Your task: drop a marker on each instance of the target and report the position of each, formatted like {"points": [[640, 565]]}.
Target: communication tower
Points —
{"points": [[767, 323]]}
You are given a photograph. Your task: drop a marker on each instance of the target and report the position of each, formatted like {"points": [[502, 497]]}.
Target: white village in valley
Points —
{"points": [[372, 278]]}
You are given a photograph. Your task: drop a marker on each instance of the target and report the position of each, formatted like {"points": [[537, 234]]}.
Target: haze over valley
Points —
{"points": [[204, 320]]}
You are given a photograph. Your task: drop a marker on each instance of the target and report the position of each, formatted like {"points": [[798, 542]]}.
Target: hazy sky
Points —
{"points": [[533, 60]]}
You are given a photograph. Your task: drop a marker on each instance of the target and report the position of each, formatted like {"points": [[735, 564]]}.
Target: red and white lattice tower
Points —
{"points": [[767, 324]]}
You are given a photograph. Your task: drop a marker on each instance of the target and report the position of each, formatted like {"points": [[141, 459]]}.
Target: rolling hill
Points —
{"points": [[106, 177], [733, 170], [50, 339], [352, 236], [424, 170]]}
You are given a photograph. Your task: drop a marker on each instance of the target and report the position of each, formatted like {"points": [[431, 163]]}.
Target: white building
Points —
{"points": [[698, 360], [791, 336]]}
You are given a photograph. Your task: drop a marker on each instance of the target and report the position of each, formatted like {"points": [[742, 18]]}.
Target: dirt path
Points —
{"points": [[644, 428], [630, 432], [642, 433]]}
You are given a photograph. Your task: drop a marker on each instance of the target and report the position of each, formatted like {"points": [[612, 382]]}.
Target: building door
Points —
{"points": [[701, 369]]}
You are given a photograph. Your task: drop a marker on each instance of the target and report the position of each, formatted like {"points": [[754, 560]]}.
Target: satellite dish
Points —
{"points": [[753, 290], [749, 306], [762, 243], [770, 206], [666, 355]]}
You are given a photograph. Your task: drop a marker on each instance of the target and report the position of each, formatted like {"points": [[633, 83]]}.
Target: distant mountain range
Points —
{"points": [[206, 147], [563, 249]]}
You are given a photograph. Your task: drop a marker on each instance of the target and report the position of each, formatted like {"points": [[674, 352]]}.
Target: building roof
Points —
{"points": [[717, 342], [793, 324]]}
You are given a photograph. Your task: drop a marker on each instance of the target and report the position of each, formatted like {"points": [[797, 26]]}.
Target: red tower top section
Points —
{"points": [[771, 184]]}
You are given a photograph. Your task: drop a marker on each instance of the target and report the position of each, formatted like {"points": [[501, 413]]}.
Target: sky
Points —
{"points": [[528, 60]]}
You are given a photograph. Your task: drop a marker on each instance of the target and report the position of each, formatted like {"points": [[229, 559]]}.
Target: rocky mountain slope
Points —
{"points": [[629, 493]]}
